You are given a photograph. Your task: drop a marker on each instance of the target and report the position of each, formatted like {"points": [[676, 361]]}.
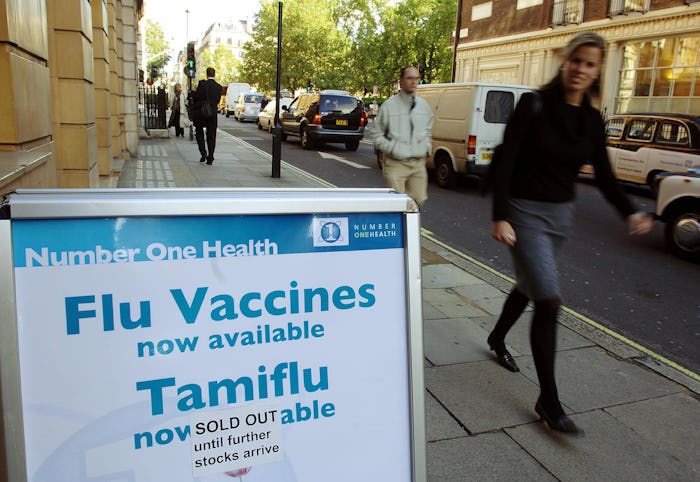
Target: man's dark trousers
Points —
{"points": [[210, 126]]}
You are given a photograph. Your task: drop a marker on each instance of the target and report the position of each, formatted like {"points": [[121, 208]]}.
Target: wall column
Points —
{"points": [[114, 80], [71, 65], [103, 111], [129, 37], [25, 109], [609, 80]]}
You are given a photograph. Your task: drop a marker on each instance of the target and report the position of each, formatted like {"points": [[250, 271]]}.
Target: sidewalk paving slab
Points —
{"points": [[609, 451], [491, 456]]}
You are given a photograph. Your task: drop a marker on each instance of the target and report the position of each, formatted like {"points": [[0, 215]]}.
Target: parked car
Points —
{"points": [[247, 106], [640, 146], [326, 116], [266, 118], [678, 206]]}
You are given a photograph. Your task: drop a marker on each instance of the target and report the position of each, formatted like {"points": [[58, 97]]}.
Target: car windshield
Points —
{"points": [[338, 103], [253, 98]]}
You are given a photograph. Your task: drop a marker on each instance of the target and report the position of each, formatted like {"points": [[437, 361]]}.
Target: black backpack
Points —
{"points": [[487, 181]]}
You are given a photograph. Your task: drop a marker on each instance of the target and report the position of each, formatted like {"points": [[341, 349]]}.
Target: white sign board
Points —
{"points": [[268, 347]]}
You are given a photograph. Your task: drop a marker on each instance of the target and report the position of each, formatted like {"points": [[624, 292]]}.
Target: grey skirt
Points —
{"points": [[541, 229]]}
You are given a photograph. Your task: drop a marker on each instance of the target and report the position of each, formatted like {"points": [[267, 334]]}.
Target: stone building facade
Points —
{"points": [[68, 82], [653, 47]]}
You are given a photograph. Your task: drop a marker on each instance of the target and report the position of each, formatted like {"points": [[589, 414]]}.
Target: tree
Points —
{"points": [[222, 59], [312, 47], [415, 32], [350, 44], [157, 50]]}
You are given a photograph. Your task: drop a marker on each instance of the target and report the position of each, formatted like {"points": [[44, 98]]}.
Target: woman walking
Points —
{"points": [[550, 135], [178, 113]]}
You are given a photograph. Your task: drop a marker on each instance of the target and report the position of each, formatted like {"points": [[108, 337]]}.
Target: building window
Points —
{"points": [[527, 4], [621, 7], [565, 12], [660, 76], [482, 11]]}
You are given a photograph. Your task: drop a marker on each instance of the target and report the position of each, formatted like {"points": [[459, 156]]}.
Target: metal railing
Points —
{"points": [[153, 104]]}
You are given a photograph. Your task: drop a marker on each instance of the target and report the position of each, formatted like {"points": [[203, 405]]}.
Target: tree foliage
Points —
{"points": [[224, 61], [157, 49], [350, 44]]}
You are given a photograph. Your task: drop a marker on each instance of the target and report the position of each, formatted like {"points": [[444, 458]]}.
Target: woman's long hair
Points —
{"points": [[584, 38]]}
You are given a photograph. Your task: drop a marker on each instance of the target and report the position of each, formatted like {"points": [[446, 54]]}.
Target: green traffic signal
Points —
{"points": [[190, 64]]}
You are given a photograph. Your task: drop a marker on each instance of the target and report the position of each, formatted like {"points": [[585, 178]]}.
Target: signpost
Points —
{"points": [[194, 334]]}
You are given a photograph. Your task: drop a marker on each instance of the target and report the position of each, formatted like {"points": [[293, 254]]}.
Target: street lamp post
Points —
{"points": [[277, 133], [187, 39]]}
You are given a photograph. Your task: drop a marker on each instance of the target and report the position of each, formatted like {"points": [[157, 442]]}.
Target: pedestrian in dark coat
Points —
{"points": [[209, 90]]}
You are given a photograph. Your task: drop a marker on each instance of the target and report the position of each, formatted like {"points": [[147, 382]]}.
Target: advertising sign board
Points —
{"points": [[205, 335]]}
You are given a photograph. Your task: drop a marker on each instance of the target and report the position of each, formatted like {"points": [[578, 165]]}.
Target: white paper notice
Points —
{"points": [[236, 438]]}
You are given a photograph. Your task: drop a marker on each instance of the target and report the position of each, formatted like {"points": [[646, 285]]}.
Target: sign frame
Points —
{"points": [[46, 204]]}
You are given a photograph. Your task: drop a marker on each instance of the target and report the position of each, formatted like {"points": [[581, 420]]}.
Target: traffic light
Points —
{"points": [[308, 85], [141, 73], [191, 66]]}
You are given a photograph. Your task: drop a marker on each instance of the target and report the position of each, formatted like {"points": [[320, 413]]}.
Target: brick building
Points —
{"points": [[653, 47]]}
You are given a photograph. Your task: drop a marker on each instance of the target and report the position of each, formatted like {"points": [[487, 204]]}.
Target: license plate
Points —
{"points": [[341, 122], [486, 156]]}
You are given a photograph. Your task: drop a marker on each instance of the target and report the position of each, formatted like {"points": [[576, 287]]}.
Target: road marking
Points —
{"points": [[284, 164], [659, 358], [152, 151], [325, 155], [153, 174]]}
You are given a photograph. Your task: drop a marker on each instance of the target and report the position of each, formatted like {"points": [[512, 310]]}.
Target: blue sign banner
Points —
{"points": [[67, 242]]}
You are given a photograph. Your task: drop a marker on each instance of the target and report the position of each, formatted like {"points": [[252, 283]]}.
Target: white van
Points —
{"points": [[234, 90], [469, 122]]}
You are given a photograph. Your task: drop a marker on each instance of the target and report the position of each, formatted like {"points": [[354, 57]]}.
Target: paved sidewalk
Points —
{"points": [[642, 419]]}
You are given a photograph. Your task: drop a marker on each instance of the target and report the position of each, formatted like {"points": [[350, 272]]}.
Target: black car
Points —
{"points": [[326, 116]]}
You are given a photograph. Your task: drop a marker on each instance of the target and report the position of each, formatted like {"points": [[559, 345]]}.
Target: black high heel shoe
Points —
{"points": [[560, 423], [504, 358]]}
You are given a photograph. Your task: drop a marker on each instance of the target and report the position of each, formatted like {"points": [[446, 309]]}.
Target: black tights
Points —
{"points": [[512, 309], [543, 340]]}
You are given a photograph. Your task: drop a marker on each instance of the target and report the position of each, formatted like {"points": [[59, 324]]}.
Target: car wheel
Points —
{"points": [[306, 142], [227, 114], [682, 232], [653, 183], [352, 145], [445, 175], [259, 125]]}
